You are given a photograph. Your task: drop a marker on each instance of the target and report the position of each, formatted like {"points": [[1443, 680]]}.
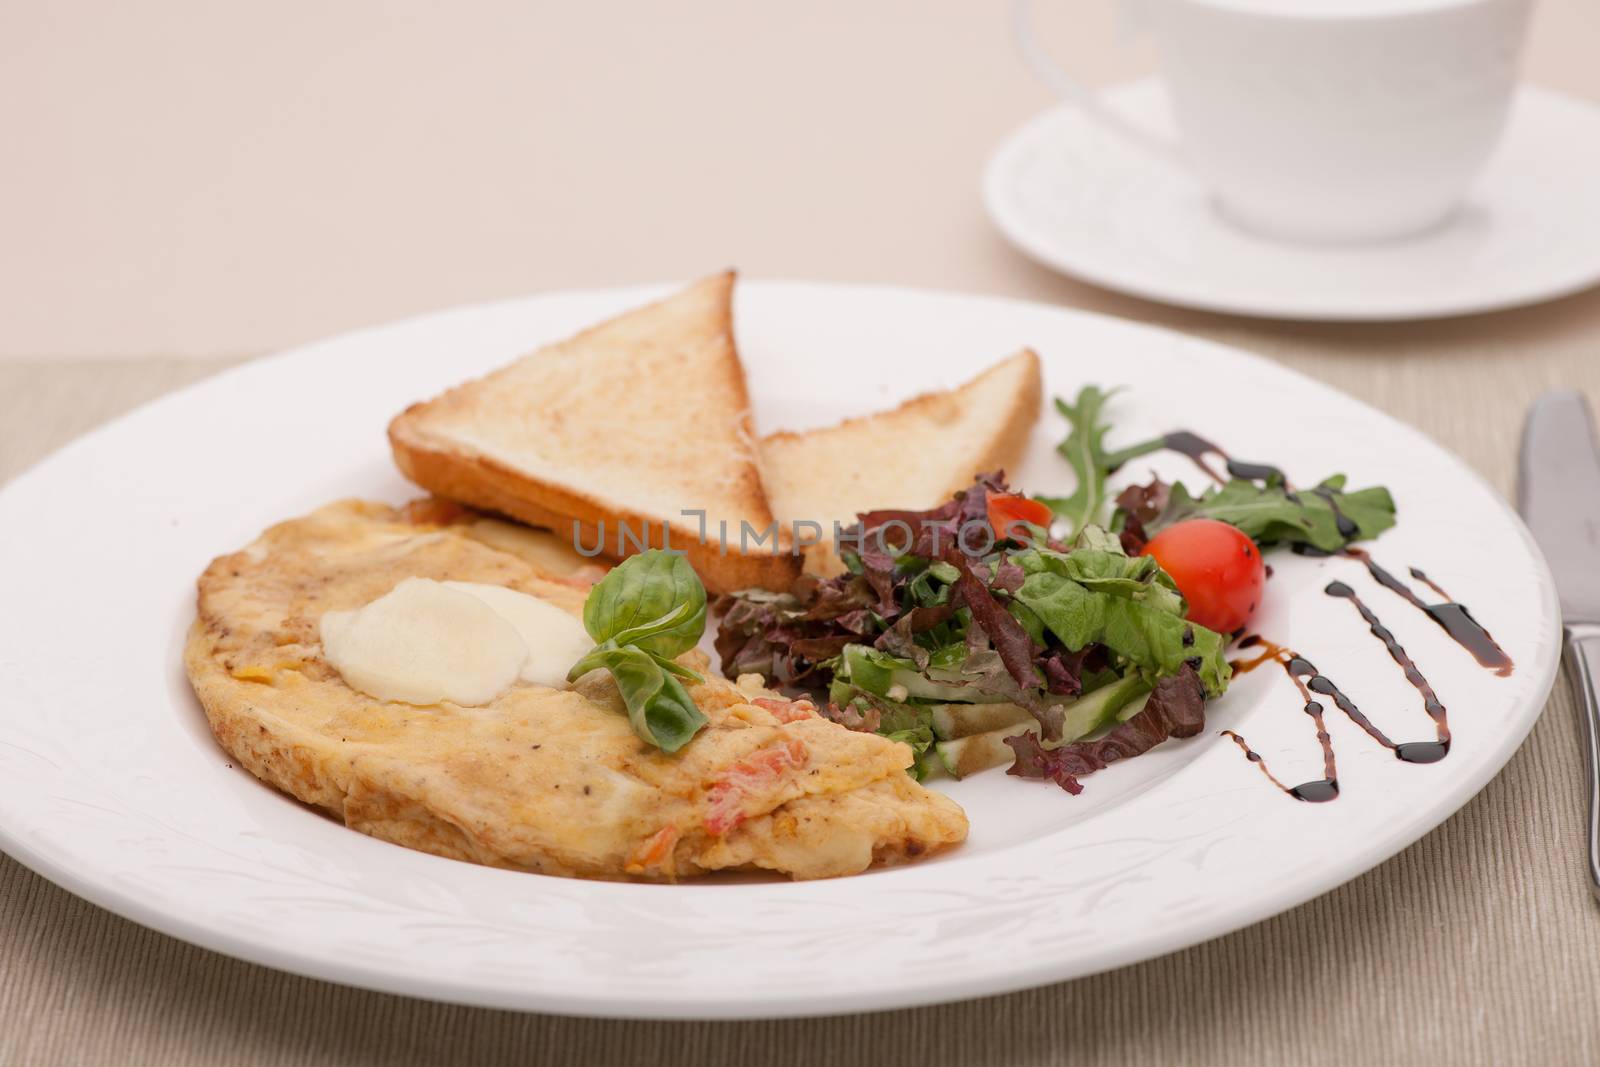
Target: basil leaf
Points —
{"points": [[660, 709], [600, 656], [673, 667], [653, 601], [650, 608], [662, 634]]}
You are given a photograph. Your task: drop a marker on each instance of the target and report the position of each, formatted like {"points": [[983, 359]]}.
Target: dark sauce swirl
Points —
{"points": [[1412, 751], [1450, 615], [1311, 681], [1453, 617], [1199, 449]]}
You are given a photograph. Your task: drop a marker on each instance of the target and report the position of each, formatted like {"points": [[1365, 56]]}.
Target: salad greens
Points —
{"points": [[1323, 518], [1085, 452], [1128, 605], [1059, 656], [647, 610], [926, 643]]}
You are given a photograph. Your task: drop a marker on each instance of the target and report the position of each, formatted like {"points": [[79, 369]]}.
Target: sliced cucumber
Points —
{"points": [[951, 721], [1133, 708], [1088, 714], [1093, 710], [895, 679], [979, 752]]}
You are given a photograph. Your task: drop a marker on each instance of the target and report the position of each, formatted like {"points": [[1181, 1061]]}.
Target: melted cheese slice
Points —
{"points": [[554, 638], [426, 642]]}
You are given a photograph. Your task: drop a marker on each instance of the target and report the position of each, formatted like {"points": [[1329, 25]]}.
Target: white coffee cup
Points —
{"points": [[1325, 120]]}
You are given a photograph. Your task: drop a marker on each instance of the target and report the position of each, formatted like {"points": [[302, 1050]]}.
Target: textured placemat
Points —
{"points": [[1480, 944]]}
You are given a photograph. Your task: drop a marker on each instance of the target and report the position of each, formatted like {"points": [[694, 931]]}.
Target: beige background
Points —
{"points": [[187, 184], [189, 177]]}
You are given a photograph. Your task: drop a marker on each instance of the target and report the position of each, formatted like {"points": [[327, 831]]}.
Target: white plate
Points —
{"points": [[111, 785], [1083, 202]]}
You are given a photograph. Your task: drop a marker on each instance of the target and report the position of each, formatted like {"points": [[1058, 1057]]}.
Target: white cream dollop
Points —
{"points": [[464, 642]]}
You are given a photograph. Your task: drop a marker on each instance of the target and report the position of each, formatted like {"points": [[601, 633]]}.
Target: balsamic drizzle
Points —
{"points": [[1342, 522], [1452, 617], [1411, 751], [1316, 791], [1197, 448], [1429, 582], [1310, 681]]}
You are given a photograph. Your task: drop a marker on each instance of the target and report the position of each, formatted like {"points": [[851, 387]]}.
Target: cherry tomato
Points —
{"points": [[1218, 570], [1008, 511]]}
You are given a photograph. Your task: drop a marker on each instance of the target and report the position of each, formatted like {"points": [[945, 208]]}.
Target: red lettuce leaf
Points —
{"points": [[1176, 708], [1010, 640]]}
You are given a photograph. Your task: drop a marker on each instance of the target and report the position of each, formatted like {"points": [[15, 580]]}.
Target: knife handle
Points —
{"points": [[1583, 659]]}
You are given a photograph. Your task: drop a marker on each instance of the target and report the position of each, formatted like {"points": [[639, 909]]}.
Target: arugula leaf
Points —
{"points": [[1371, 509], [650, 608], [1085, 452], [1269, 514], [1324, 517]]}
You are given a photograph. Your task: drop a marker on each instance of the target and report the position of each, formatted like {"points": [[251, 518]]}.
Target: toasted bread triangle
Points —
{"points": [[912, 457], [631, 423]]}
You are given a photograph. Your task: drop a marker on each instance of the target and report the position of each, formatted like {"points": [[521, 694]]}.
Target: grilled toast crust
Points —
{"points": [[829, 474], [484, 483], [690, 433]]}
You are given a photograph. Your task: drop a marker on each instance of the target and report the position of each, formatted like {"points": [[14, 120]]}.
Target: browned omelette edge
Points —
{"points": [[293, 759]]}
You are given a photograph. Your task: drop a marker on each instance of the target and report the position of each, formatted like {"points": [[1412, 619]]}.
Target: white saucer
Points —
{"points": [[1082, 201]]}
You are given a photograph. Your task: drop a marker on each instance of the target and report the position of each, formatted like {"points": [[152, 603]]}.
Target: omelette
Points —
{"points": [[548, 780]]}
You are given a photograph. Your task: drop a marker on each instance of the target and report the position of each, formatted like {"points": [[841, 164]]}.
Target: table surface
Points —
{"points": [[191, 184]]}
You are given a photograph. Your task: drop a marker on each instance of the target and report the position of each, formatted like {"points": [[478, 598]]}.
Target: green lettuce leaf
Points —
{"points": [[1100, 596]]}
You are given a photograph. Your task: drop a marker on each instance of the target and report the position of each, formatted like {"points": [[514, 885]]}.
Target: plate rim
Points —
{"points": [[928, 990]]}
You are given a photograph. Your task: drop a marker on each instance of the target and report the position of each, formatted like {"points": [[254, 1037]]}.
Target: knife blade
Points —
{"points": [[1558, 491]]}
